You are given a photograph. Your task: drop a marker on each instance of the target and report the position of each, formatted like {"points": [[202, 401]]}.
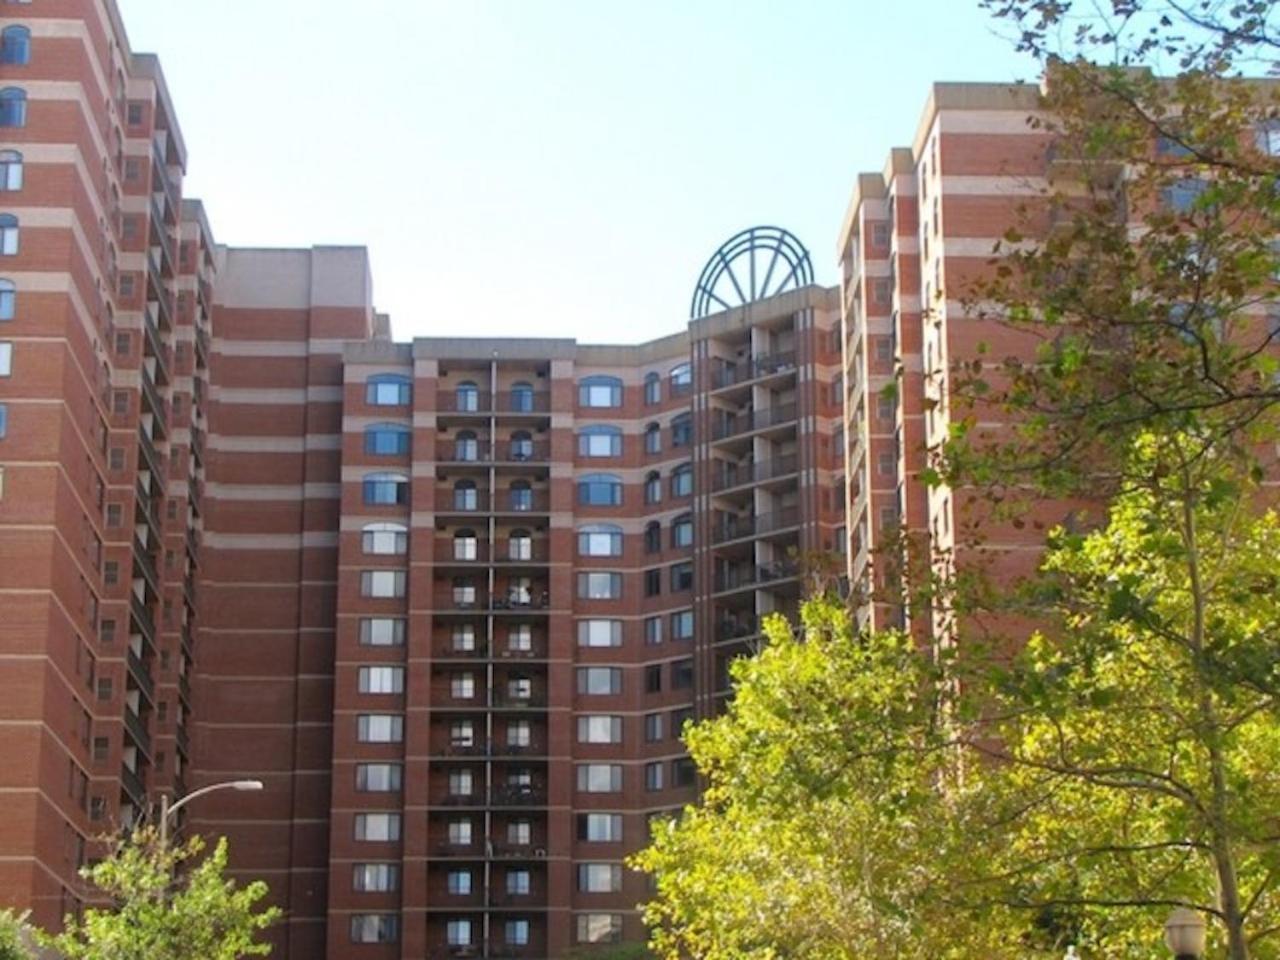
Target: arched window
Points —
{"points": [[652, 388], [520, 545], [682, 531], [600, 490], [387, 390], [381, 489], [467, 397], [522, 397], [13, 107], [522, 445], [600, 440], [600, 540], [653, 488], [465, 495], [653, 537], [682, 481], [653, 438], [385, 538], [521, 494], [465, 545], [600, 392], [386, 439], [8, 234], [682, 430], [466, 446], [10, 170], [15, 46], [681, 379], [8, 299]]}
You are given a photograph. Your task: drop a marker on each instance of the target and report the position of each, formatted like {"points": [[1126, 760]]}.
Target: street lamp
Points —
{"points": [[1184, 934], [167, 811]]}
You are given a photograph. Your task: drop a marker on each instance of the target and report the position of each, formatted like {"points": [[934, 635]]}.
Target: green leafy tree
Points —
{"points": [[13, 932], [168, 904]]}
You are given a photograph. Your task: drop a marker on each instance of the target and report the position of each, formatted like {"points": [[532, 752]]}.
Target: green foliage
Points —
{"points": [[169, 905], [12, 943]]}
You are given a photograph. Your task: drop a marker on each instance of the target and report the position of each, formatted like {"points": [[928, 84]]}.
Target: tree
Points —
{"points": [[168, 905], [13, 943]]}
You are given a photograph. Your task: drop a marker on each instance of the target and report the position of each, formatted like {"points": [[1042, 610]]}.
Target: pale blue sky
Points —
{"points": [[548, 167]]}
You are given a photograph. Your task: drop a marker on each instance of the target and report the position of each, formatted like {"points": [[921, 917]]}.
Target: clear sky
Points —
{"points": [[548, 167]]}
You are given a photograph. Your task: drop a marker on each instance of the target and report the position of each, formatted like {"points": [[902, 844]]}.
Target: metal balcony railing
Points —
{"points": [[729, 425], [735, 578], [730, 527], [753, 369], [726, 475]]}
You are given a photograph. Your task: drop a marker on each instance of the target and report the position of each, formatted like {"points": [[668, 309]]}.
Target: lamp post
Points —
{"points": [[1184, 934], [167, 811]]}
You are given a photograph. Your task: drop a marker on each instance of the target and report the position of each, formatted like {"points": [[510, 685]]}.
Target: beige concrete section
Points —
{"points": [[493, 348], [270, 541], [285, 492], [148, 65], [378, 356], [276, 395], [264, 279], [760, 311]]}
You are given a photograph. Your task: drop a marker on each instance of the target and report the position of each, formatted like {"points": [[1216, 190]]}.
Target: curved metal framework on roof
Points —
{"points": [[757, 263]]}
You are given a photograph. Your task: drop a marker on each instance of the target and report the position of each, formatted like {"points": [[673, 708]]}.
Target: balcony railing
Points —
{"points": [[530, 796], [137, 730], [738, 577], [504, 451], [154, 400], [728, 425], [150, 456], [732, 528], [141, 617], [731, 628], [144, 565], [726, 475], [538, 401], [507, 700], [141, 675], [753, 369], [132, 785]]}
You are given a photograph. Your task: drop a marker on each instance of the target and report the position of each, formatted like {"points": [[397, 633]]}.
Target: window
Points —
{"points": [[653, 537], [880, 234], [465, 545], [378, 827], [387, 390], [8, 234], [460, 832], [517, 931], [683, 772], [599, 633], [459, 883], [518, 884], [15, 46], [386, 489], [382, 583], [600, 392], [461, 783], [8, 299], [519, 688], [381, 680], [653, 582], [681, 379], [600, 540], [458, 933], [462, 733], [465, 495], [520, 637], [13, 107], [462, 686], [375, 877], [1182, 195], [681, 577], [682, 430], [653, 438], [379, 728], [653, 488], [522, 397], [682, 481], [678, 720], [885, 407], [521, 495], [522, 445], [382, 632], [600, 827], [682, 531], [599, 877], [520, 545], [10, 170], [519, 733], [599, 927], [600, 441], [681, 674], [375, 928], [134, 115], [386, 539], [653, 631], [519, 833], [653, 776], [600, 490], [4, 420], [467, 397], [599, 777], [378, 777], [652, 727], [6, 359], [599, 681], [598, 728], [467, 447], [653, 678], [682, 625], [599, 586], [386, 439], [652, 388]]}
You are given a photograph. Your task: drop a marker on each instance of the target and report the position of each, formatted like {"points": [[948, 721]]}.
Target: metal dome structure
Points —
{"points": [[757, 263]]}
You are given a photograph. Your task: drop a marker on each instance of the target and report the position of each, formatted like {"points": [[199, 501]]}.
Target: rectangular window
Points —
{"points": [[382, 632], [681, 577], [381, 680], [462, 686], [391, 392], [378, 827], [458, 933], [653, 631], [518, 882], [599, 633], [600, 827], [652, 582], [462, 733], [599, 927], [682, 625], [6, 359], [375, 928], [378, 777], [598, 728], [461, 783], [460, 883], [519, 833], [599, 681], [380, 728], [599, 586], [600, 392], [683, 772], [382, 583], [653, 776], [517, 931], [460, 832], [652, 727], [653, 678], [519, 733], [600, 444], [4, 420], [599, 777], [682, 674], [595, 542], [386, 541], [599, 877], [375, 877], [385, 491]]}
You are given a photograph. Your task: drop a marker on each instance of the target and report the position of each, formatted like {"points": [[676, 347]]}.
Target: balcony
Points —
{"points": [[141, 618], [447, 651], [523, 402], [202, 348], [152, 395], [738, 578], [735, 628], [754, 369], [184, 741], [141, 675], [184, 689], [727, 475], [518, 796], [161, 179], [131, 783], [197, 444], [729, 527], [150, 458], [507, 701], [734, 424], [504, 451], [145, 565], [151, 334], [146, 509], [464, 402], [137, 730]]}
